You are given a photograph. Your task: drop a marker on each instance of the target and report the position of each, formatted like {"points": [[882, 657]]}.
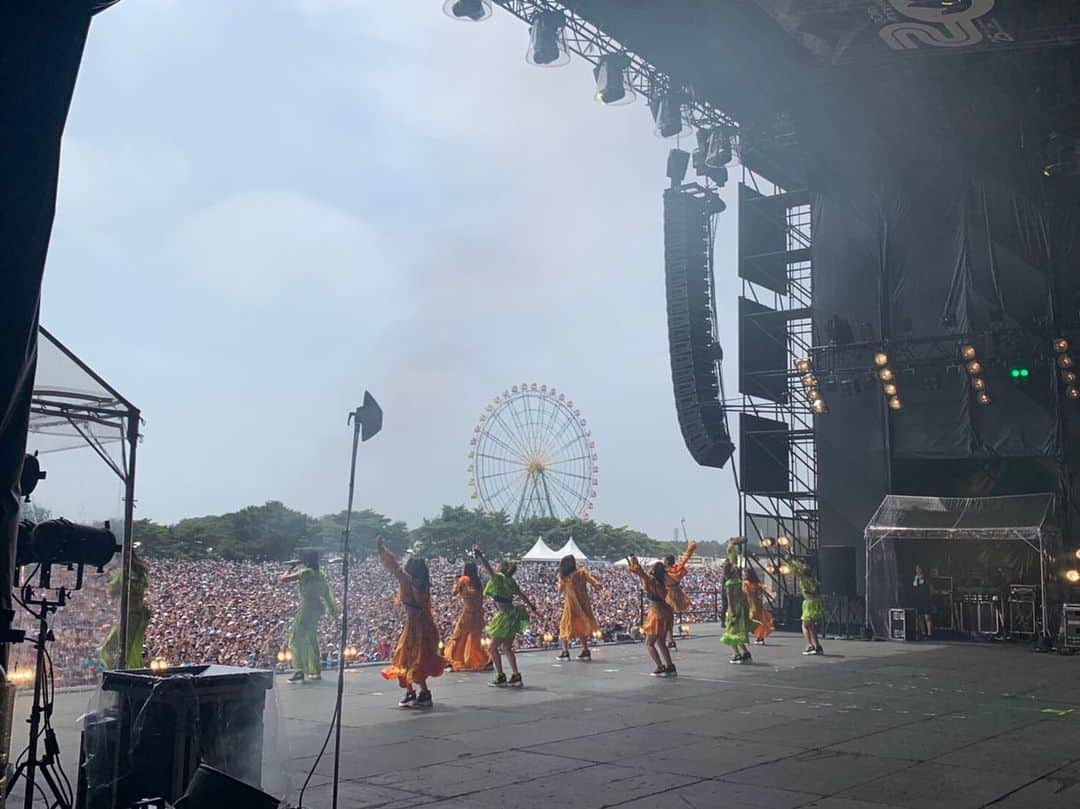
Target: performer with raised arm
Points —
{"points": [[737, 620], [138, 618], [315, 601], [416, 656], [578, 620], [658, 618], [464, 650], [509, 620], [813, 608], [677, 599]]}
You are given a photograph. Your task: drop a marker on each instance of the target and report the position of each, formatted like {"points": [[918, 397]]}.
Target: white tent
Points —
{"points": [[571, 549], [540, 552]]}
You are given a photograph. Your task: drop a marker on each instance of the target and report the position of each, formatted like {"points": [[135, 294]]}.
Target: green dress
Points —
{"points": [[737, 620], [812, 607], [510, 618], [304, 637], [138, 619]]}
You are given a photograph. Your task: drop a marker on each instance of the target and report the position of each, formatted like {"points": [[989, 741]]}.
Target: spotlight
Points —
{"points": [[547, 39], [819, 407], [974, 367], [1072, 575], [770, 569], [1068, 377], [978, 383], [881, 359], [803, 365], [1072, 393], [983, 398], [30, 475], [667, 112], [813, 394], [895, 403], [467, 10], [718, 151], [889, 388], [1077, 553], [886, 375], [967, 352], [785, 569], [767, 542], [677, 161], [59, 542], [783, 541], [611, 84], [1065, 361], [1060, 345]]}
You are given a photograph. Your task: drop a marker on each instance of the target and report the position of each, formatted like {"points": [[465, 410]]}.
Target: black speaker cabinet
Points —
{"points": [[903, 624], [837, 565]]}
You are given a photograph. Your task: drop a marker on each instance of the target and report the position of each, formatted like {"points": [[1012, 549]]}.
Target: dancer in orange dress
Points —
{"points": [[659, 618], [578, 620], [464, 651], [760, 615], [416, 656], [677, 599]]}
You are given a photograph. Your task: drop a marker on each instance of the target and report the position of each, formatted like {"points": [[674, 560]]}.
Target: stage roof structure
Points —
{"points": [[540, 552]]}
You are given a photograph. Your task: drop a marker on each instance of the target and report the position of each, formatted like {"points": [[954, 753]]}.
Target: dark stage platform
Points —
{"points": [[868, 726]]}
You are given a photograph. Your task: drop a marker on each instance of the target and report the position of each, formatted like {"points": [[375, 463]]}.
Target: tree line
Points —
{"points": [[275, 532]]}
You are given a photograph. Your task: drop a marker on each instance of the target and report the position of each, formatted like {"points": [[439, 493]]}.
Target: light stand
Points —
{"points": [[366, 421]]}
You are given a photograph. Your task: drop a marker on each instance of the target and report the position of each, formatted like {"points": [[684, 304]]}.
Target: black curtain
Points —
{"points": [[41, 45]]}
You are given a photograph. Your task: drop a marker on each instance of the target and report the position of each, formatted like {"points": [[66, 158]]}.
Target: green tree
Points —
{"points": [[365, 526], [453, 533]]}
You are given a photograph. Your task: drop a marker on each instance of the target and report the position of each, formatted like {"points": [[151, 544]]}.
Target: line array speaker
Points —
{"points": [[695, 353]]}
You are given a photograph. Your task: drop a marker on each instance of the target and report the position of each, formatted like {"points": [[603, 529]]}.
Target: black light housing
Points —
{"points": [[547, 39], [611, 84], [667, 112], [467, 10]]}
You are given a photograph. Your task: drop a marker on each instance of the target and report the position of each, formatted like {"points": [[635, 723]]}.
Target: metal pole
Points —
{"points": [[1042, 585], [132, 439], [866, 588], [355, 418]]}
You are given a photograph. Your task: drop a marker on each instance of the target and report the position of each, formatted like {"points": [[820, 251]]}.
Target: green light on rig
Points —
{"points": [[1019, 372]]}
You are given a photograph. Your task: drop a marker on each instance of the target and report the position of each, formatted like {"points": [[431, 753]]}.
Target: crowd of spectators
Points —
{"points": [[238, 613]]}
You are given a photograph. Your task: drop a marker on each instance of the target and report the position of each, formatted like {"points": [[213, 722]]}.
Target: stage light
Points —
{"points": [[1068, 377], [881, 359], [895, 403], [967, 352], [819, 407], [983, 398], [611, 84], [767, 542], [547, 39], [978, 383], [1019, 372], [783, 541], [467, 10], [1072, 393], [785, 569], [770, 569], [1061, 345], [1065, 361], [889, 388], [886, 375], [974, 367], [59, 542], [813, 394], [1077, 553], [803, 365], [667, 113], [809, 381], [1072, 575], [597, 634]]}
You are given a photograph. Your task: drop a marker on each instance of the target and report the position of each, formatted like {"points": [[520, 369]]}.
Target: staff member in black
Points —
{"points": [[924, 606]]}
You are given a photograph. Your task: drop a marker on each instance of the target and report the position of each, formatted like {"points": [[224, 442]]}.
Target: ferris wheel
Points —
{"points": [[532, 455]]}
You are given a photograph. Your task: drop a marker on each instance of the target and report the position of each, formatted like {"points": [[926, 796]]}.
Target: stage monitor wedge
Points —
{"points": [[696, 356]]}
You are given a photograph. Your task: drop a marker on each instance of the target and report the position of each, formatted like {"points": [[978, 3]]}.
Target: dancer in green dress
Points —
{"points": [[304, 637], [509, 620], [138, 618], [813, 610], [737, 619]]}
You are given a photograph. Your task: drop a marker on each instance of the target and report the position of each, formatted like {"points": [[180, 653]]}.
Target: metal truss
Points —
{"points": [[590, 43]]}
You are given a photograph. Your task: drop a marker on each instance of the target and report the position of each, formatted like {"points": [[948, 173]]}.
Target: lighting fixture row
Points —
{"points": [[811, 386], [1066, 368], [887, 377], [1073, 576], [975, 369], [547, 48]]}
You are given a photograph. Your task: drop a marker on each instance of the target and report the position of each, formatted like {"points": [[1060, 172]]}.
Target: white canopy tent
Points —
{"points": [[571, 549], [540, 552]]}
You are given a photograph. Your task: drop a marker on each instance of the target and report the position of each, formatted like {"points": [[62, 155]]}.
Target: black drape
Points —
{"points": [[41, 45]]}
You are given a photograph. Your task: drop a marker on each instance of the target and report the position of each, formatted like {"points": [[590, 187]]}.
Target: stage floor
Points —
{"points": [[867, 726]]}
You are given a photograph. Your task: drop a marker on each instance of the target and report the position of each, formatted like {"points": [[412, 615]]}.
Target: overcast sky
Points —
{"points": [[267, 207]]}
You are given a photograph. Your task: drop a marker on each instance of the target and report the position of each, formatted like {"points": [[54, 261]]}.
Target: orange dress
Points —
{"points": [[578, 619], [659, 618], [416, 656], [678, 600], [463, 650], [760, 616]]}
